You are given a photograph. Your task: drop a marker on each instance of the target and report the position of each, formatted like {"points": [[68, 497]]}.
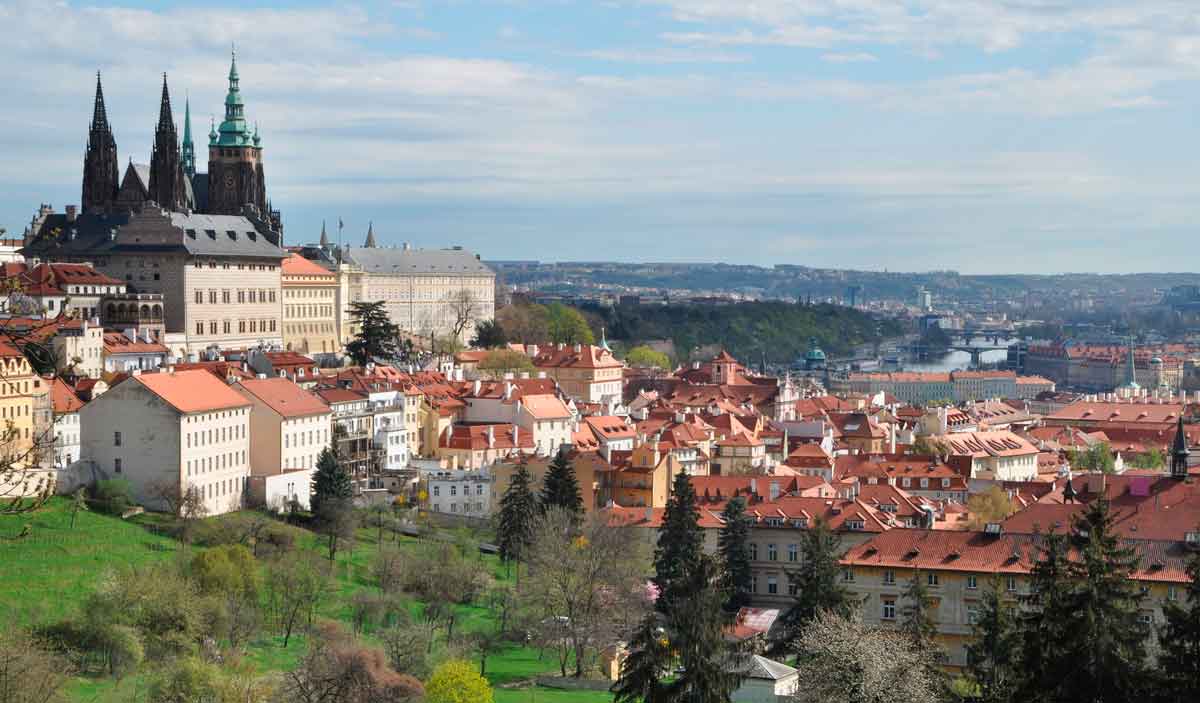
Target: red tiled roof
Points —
{"points": [[118, 343], [63, 397], [296, 265], [475, 437]]}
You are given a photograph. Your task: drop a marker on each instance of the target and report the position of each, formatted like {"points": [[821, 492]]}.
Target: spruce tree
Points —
{"points": [[689, 635], [560, 487], [680, 542], [518, 511], [1108, 660], [733, 545], [1179, 640], [1044, 620], [818, 585], [332, 487], [994, 650]]}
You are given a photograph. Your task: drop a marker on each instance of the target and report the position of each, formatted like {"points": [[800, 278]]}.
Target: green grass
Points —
{"points": [[47, 574]]}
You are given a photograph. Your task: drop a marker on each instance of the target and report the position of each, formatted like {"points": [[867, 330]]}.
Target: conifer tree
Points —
{"points": [[332, 487], [733, 545], [1108, 660], [680, 542], [377, 334], [518, 512], [919, 626], [994, 651], [818, 585], [689, 636], [1043, 620], [1179, 639], [560, 487]]}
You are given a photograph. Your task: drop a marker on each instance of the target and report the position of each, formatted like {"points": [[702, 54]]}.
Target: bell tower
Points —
{"points": [[235, 167], [101, 176]]}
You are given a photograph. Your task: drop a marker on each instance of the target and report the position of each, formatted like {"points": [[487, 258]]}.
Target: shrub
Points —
{"points": [[113, 496], [456, 681]]}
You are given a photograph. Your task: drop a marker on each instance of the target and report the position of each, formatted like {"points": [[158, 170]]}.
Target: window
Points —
{"points": [[436, 491], [889, 577], [453, 490], [1010, 584], [924, 483], [1172, 593], [212, 297], [793, 553], [212, 327], [972, 582], [772, 554], [116, 439], [906, 482], [848, 576], [888, 611], [199, 328], [199, 296], [753, 552], [972, 613], [772, 585], [1146, 619], [793, 587], [754, 583], [932, 579], [117, 465]]}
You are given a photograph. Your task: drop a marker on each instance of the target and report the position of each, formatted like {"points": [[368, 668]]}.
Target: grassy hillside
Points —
{"points": [[48, 573]]}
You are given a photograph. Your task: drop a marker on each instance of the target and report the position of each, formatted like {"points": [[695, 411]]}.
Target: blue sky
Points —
{"points": [[979, 135]]}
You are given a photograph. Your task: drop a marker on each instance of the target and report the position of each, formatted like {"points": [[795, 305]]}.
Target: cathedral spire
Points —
{"points": [[99, 114], [166, 170], [1179, 452], [370, 243], [101, 178], [188, 151], [324, 237]]}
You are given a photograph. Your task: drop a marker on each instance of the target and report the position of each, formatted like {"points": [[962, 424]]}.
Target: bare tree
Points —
{"points": [[28, 673], [588, 581], [295, 586], [338, 669], [464, 307]]}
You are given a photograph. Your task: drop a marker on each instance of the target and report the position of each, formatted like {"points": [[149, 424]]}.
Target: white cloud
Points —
{"points": [[849, 57]]}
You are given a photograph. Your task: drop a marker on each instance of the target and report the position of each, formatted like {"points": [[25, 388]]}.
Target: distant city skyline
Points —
{"points": [[983, 136]]}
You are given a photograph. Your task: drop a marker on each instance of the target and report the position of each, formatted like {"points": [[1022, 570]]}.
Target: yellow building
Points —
{"points": [[958, 568], [27, 440], [309, 307]]}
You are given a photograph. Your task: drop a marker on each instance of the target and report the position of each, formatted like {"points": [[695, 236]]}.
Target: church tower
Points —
{"points": [[187, 153], [1179, 453], [101, 176], [166, 172], [235, 167]]}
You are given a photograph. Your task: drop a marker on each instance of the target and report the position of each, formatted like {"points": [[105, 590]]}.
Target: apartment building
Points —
{"points": [[290, 427], [171, 432]]}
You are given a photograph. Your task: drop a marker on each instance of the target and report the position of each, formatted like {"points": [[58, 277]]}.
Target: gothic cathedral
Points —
{"points": [[233, 184]]}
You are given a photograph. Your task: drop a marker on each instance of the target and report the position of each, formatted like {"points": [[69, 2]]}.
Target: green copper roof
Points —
{"points": [[234, 131]]}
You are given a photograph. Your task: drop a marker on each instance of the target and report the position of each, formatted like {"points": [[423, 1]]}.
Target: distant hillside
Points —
{"points": [[780, 331]]}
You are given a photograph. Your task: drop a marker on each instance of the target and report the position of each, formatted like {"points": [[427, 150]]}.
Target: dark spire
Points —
{"points": [[1069, 491], [99, 114], [324, 237], [370, 243], [188, 151], [101, 177], [1179, 452], [166, 168]]}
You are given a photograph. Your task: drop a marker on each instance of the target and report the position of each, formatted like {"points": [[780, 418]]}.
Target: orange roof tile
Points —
{"points": [[193, 391], [285, 397]]}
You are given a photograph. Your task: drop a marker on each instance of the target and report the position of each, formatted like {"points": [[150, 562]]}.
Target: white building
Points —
{"points": [[391, 428], [66, 424], [767, 681], [168, 433], [460, 493], [129, 352], [290, 427], [1000, 455]]}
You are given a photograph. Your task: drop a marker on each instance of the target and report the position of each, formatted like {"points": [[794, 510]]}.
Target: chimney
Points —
{"points": [[131, 334], [491, 437], [753, 486], [72, 213], [578, 348], [516, 435], [774, 488], [1096, 482], [475, 387]]}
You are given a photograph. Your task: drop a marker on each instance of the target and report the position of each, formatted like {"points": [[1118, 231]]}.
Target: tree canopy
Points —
{"points": [[566, 325], [377, 335], [645, 357]]}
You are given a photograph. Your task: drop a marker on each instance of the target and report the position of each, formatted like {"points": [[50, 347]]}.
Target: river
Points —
{"points": [[958, 360]]}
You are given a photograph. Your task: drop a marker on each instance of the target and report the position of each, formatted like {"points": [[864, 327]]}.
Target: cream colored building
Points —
{"points": [[172, 432], [424, 290], [219, 275], [310, 295], [290, 427]]}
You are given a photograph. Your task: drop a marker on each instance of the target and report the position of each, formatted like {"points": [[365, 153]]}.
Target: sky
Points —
{"points": [[985, 136]]}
